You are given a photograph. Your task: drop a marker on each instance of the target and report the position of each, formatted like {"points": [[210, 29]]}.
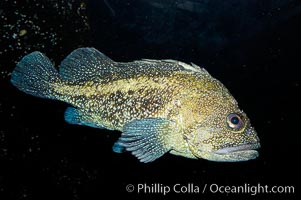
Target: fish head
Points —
{"points": [[225, 134]]}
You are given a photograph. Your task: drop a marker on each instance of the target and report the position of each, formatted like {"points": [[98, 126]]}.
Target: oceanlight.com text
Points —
{"points": [[213, 188], [251, 189]]}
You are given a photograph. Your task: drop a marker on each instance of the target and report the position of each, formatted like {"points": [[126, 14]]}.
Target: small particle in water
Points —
{"points": [[14, 35], [23, 32]]}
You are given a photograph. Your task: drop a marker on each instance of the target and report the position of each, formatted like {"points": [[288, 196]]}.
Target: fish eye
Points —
{"points": [[234, 121]]}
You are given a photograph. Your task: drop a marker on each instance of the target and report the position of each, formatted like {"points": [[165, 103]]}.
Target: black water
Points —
{"points": [[251, 47]]}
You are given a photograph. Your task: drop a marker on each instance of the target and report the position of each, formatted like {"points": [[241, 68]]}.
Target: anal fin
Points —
{"points": [[79, 117]]}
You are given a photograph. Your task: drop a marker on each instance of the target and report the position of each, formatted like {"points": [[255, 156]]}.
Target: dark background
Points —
{"points": [[253, 47]]}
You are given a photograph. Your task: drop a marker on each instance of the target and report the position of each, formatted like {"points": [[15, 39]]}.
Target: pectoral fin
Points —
{"points": [[147, 139]]}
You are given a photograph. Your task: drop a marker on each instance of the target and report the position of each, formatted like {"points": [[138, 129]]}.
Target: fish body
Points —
{"points": [[159, 106]]}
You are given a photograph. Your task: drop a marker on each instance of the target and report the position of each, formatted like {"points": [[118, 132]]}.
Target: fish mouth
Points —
{"points": [[242, 152], [243, 147]]}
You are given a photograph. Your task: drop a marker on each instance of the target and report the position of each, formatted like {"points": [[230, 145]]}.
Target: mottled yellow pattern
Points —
{"points": [[192, 106]]}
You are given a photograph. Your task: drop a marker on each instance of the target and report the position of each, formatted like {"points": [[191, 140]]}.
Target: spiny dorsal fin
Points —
{"points": [[85, 64], [169, 65], [193, 67], [90, 64]]}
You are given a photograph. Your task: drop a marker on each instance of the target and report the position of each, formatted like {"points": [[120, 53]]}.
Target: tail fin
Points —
{"points": [[34, 75]]}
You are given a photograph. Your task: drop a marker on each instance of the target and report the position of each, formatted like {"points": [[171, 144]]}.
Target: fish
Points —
{"points": [[159, 106]]}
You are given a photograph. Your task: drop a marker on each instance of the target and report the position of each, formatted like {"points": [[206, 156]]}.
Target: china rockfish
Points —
{"points": [[159, 106]]}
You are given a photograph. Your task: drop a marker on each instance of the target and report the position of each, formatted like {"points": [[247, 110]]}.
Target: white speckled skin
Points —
{"points": [[109, 94]]}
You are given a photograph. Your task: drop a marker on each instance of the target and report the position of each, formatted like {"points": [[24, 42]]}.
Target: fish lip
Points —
{"points": [[239, 148]]}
